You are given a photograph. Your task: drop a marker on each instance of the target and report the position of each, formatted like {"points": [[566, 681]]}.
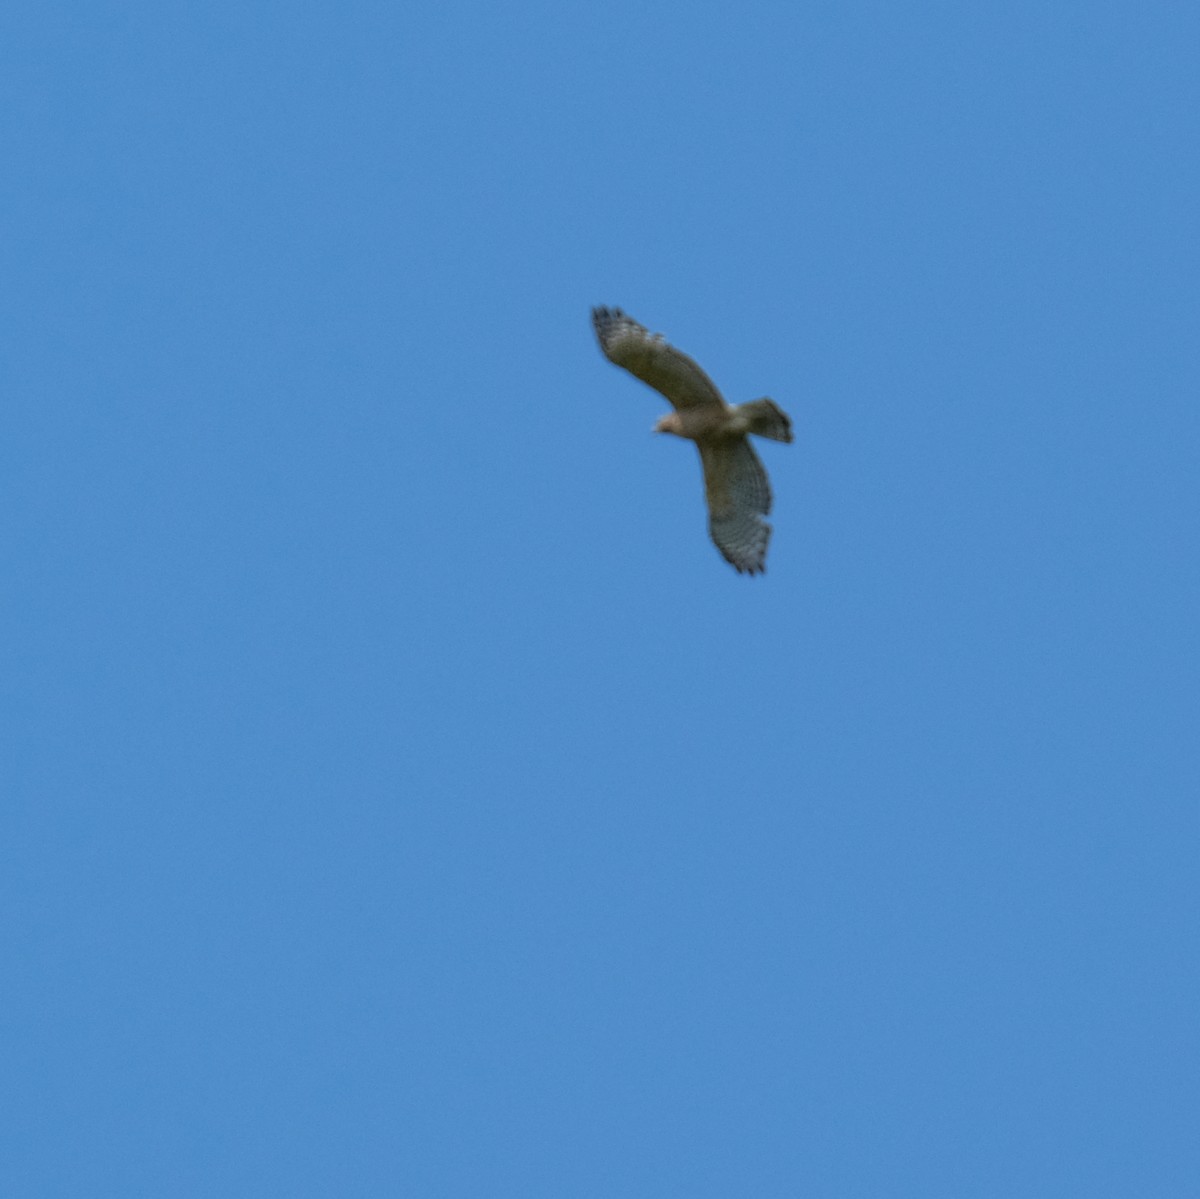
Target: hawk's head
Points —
{"points": [[670, 424]]}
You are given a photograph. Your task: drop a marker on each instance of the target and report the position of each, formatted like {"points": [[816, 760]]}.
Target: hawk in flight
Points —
{"points": [[735, 483]]}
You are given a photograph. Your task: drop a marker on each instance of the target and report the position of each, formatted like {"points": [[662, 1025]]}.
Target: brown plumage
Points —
{"points": [[735, 483]]}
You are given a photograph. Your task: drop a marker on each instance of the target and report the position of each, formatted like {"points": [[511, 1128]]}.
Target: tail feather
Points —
{"points": [[767, 419]]}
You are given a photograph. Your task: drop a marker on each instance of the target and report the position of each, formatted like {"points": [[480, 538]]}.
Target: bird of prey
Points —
{"points": [[735, 483]]}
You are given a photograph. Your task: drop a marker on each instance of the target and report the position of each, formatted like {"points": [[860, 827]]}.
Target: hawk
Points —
{"points": [[735, 483]]}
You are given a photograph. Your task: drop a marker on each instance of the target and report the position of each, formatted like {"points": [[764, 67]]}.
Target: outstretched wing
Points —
{"points": [[652, 360], [739, 497]]}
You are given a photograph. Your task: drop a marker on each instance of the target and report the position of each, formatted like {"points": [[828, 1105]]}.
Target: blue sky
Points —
{"points": [[401, 796]]}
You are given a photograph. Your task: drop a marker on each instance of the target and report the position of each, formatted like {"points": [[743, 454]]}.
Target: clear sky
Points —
{"points": [[400, 794]]}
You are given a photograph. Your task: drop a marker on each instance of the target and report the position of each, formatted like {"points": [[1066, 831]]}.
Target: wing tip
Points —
{"points": [[603, 315], [605, 321], [752, 563]]}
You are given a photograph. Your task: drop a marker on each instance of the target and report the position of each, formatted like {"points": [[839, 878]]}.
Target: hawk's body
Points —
{"points": [[735, 484]]}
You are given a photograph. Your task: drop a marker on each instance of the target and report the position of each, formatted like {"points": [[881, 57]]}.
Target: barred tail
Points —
{"points": [[767, 419]]}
